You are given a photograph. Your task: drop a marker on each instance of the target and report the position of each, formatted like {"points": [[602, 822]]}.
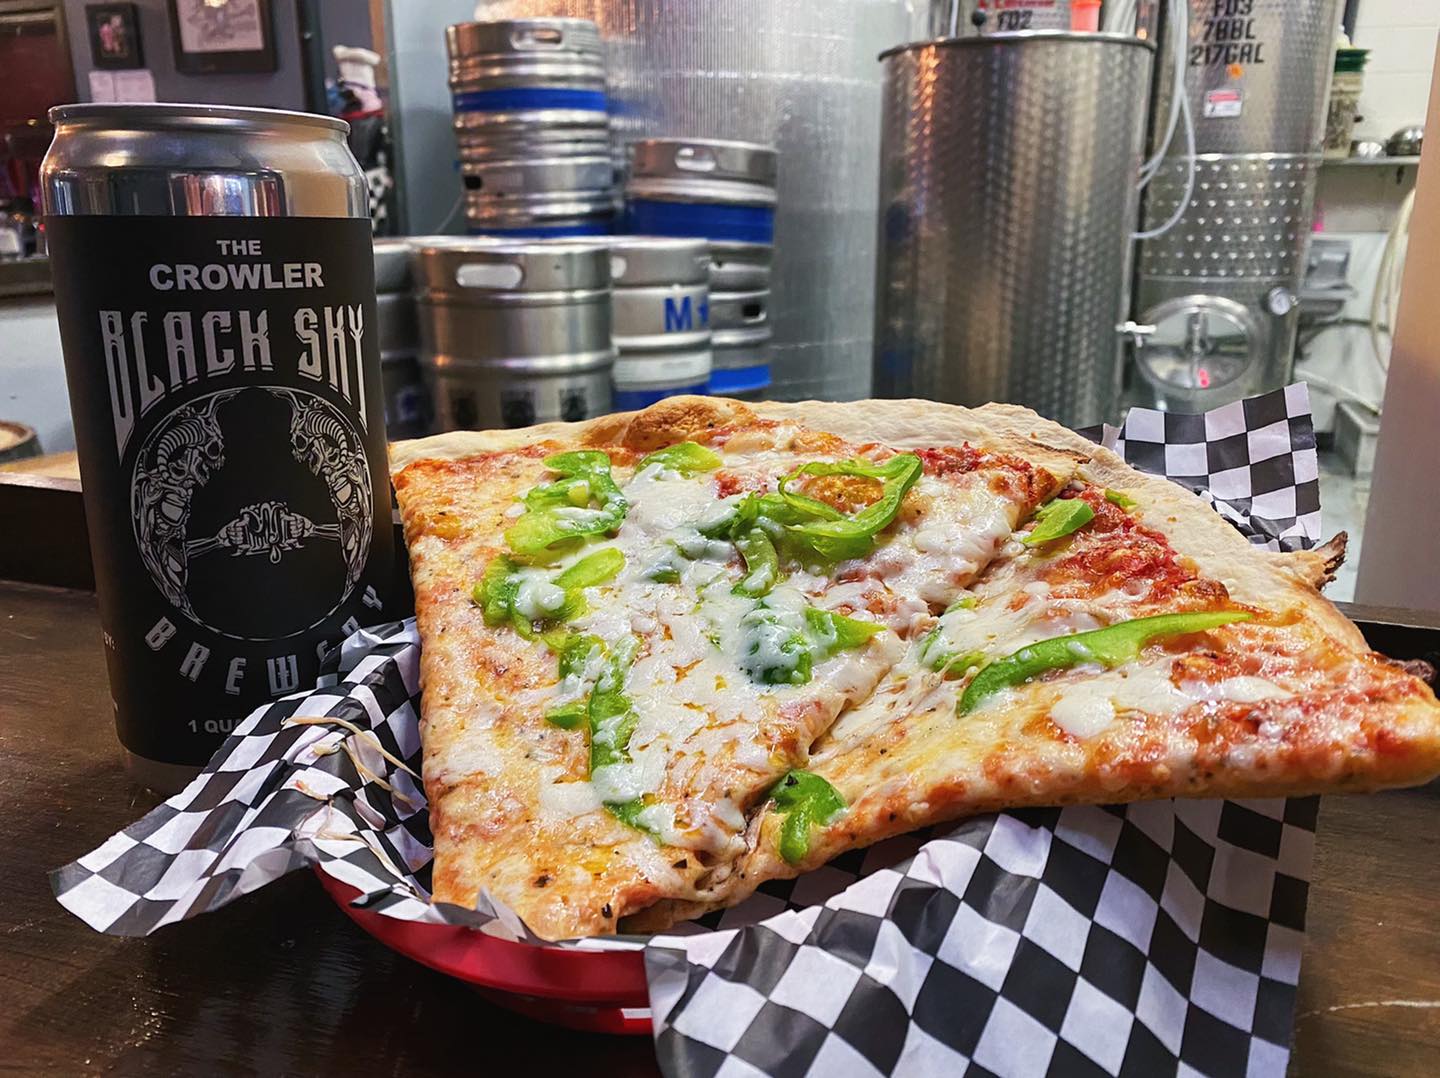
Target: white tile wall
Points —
{"points": [[1402, 36]]}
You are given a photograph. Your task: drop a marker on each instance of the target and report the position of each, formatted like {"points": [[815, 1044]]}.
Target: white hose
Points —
{"points": [[1180, 36], [1180, 42], [1385, 303]]}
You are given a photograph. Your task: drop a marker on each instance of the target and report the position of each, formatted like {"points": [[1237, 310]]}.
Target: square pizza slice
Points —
{"points": [[1126, 643], [632, 628]]}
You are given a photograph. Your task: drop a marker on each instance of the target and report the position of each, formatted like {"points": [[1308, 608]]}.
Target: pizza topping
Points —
{"points": [[525, 597], [1057, 519], [803, 800], [683, 458], [1109, 647], [1120, 498], [1082, 714], [560, 511], [834, 535], [780, 640]]}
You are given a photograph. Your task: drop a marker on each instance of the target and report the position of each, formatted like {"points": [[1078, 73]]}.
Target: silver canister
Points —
{"points": [[532, 127], [513, 332], [740, 267], [661, 318], [1005, 232], [407, 402], [512, 74], [803, 78], [716, 188], [216, 299], [1220, 285], [740, 344]]}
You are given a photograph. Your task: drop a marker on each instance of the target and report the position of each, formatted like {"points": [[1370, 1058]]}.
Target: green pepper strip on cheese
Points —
{"points": [[503, 598], [562, 510], [804, 800], [1110, 647], [783, 650], [838, 536], [1057, 519], [687, 458]]}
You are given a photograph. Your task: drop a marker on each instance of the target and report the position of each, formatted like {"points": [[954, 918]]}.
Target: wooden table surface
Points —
{"points": [[282, 982]]}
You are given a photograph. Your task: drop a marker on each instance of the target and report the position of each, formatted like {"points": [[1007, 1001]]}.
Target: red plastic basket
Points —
{"points": [[595, 991]]}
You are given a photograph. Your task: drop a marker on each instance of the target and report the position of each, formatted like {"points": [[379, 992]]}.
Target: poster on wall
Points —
{"points": [[222, 37], [114, 36]]}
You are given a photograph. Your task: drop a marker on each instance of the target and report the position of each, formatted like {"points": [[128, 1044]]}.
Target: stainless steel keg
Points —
{"points": [[532, 127], [536, 197], [407, 402], [516, 73], [740, 267], [715, 188], [661, 321], [513, 332], [740, 343]]}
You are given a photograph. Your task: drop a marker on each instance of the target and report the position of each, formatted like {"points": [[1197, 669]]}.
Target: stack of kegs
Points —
{"points": [[532, 127], [407, 402], [724, 192], [660, 318], [513, 332]]}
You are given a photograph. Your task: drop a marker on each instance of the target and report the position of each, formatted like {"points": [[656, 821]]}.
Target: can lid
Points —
{"points": [[171, 115], [523, 37], [658, 260], [457, 266], [703, 159]]}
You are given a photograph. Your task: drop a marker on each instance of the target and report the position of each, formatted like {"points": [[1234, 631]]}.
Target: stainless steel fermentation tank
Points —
{"points": [[802, 77], [1219, 287], [1008, 193]]}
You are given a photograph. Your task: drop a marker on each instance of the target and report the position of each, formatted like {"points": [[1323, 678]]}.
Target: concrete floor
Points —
{"points": [[1343, 499]]}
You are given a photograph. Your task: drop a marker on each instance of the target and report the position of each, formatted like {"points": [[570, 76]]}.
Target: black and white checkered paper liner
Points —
{"points": [[1150, 938]]}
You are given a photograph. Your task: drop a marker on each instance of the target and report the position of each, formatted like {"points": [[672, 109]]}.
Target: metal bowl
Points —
{"points": [[1405, 142]]}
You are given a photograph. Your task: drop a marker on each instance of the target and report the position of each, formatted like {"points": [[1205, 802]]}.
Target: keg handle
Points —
{"points": [[538, 37], [695, 158]]}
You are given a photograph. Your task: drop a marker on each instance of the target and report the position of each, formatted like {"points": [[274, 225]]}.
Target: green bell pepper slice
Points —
{"points": [[804, 800], [837, 536], [1120, 498], [762, 564], [1110, 647], [561, 511], [1057, 519], [687, 458], [830, 632]]}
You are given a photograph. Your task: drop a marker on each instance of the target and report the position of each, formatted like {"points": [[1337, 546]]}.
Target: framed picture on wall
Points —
{"points": [[222, 37], [114, 35]]}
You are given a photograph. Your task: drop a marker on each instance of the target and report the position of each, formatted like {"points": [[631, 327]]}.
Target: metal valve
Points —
{"points": [[1138, 332]]}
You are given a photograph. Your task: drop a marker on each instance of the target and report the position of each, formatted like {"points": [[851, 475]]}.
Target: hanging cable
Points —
{"points": [[1180, 105]]}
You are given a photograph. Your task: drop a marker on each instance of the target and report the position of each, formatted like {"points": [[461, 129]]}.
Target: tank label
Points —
{"points": [[1222, 103], [1227, 37], [225, 385]]}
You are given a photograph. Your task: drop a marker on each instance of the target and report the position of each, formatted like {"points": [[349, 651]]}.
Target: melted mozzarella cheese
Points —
{"points": [[1239, 690], [568, 799], [1082, 712]]}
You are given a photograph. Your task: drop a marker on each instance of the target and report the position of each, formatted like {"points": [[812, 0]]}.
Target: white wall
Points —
{"points": [[32, 373], [1401, 35]]}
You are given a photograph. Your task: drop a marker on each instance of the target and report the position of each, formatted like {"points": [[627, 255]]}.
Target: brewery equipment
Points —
{"points": [[1219, 287]]}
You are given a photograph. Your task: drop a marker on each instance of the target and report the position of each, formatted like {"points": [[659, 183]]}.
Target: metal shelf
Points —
{"points": [[1394, 162]]}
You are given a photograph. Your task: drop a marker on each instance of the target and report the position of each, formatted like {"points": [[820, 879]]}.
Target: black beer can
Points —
{"points": [[216, 295]]}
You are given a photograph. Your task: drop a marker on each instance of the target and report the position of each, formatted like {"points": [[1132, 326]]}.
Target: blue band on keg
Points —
{"points": [[713, 221], [533, 97], [739, 379], [627, 399], [599, 227]]}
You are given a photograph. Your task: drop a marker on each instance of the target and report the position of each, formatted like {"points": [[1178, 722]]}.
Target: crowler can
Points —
{"points": [[215, 288]]}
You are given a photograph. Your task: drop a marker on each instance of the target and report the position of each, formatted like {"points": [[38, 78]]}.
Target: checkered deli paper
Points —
{"points": [[1134, 940]]}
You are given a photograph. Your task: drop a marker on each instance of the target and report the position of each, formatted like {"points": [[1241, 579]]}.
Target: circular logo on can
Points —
{"points": [[252, 510]]}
